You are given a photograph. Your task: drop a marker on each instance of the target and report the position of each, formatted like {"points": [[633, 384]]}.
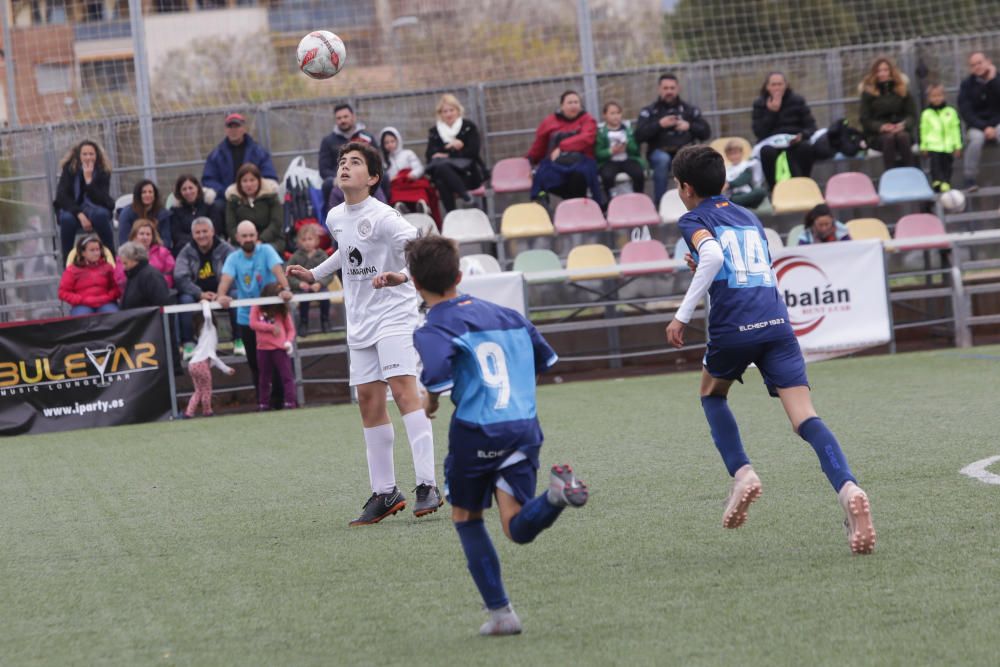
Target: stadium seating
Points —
{"points": [[796, 195], [904, 184], [521, 221], [530, 262], [467, 225], [793, 235], [849, 190], [579, 215], [862, 229], [644, 252], [592, 256], [473, 265], [773, 239], [635, 209], [719, 146], [424, 223], [917, 225], [512, 174], [671, 207]]}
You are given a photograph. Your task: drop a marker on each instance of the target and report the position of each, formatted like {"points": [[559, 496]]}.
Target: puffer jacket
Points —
{"points": [[583, 129], [219, 167], [401, 158], [265, 211], [884, 105], [90, 285]]}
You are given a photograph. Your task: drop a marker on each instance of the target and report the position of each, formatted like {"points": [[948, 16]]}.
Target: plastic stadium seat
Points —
{"points": [[671, 207], [719, 146], [478, 192], [644, 252], [862, 229], [796, 195], [681, 249], [473, 265], [512, 174], [538, 261], [794, 233], [336, 286], [773, 239], [592, 256], [525, 220], [424, 223], [849, 190], [579, 215], [634, 209], [920, 224], [903, 184], [467, 225]]}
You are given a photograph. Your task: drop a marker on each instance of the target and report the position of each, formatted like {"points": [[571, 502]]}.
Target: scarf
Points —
{"points": [[449, 132]]}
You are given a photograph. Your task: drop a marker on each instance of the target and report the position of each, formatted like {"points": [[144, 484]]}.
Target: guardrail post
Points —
{"points": [[300, 392], [168, 343]]}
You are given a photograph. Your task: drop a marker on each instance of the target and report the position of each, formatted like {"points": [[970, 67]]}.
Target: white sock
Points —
{"points": [[381, 473], [421, 437]]}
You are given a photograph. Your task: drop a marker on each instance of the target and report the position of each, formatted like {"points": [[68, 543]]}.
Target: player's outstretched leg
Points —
{"points": [[746, 489], [860, 529], [565, 490]]}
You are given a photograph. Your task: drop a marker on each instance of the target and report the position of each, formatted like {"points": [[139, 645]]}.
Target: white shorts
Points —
{"points": [[389, 357]]}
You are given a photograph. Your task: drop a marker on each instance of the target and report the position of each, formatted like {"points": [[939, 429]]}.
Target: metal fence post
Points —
{"points": [[111, 148], [143, 104], [169, 344], [835, 82], [262, 126], [300, 392], [8, 62], [591, 96], [51, 167]]}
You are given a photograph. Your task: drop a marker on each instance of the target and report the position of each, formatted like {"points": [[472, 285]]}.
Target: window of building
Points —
{"points": [[107, 75], [56, 78]]}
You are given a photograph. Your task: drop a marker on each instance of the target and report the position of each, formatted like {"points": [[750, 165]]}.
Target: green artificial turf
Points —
{"points": [[224, 541]]}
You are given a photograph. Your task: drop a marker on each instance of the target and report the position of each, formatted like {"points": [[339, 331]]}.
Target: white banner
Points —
{"points": [[505, 289], [836, 296]]}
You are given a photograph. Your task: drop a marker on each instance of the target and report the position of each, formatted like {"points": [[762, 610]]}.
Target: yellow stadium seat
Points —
{"points": [[719, 146], [862, 229], [592, 256], [796, 195], [336, 286], [526, 220]]}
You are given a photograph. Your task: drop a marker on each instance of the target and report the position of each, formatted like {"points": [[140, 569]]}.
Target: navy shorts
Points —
{"points": [[779, 361], [475, 492]]}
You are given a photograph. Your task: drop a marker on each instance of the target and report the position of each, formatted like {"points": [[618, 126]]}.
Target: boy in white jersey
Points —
{"points": [[371, 237]]}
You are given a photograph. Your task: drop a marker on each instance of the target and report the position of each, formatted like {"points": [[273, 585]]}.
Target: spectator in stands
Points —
{"points": [[248, 269], [666, 126], [822, 227], [190, 206], [408, 189], [255, 199], [310, 256], [145, 285], [88, 284], [144, 232], [742, 183], [348, 128], [225, 160], [617, 150], [453, 160], [782, 123], [940, 137], [888, 113], [979, 106], [83, 199], [146, 205], [196, 274], [563, 151], [275, 333]]}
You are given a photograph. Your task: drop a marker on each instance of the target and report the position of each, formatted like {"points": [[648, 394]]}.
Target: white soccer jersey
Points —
{"points": [[372, 237]]}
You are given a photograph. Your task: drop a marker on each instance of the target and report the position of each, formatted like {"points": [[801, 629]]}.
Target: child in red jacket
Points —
{"points": [[88, 284], [275, 333]]}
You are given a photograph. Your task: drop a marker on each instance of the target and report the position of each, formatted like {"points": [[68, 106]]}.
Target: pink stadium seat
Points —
{"points": [[632, 210], [478, 192], [579, 215], [850, 190], [916, 225], [512, 174], [644, 252]]}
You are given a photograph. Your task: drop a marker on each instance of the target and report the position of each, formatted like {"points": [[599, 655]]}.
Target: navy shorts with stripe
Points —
{"points": [[779, 361], [475, 491]]}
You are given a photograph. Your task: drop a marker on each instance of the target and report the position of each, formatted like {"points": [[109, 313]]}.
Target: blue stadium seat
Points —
{"points": [[904, 184]]}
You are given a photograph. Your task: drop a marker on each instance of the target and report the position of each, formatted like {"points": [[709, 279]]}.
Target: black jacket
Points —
{"points": [[471, 144], [145, 286], [181, 217], [99, 191], [329, 148], [979, 102], [649, 132], [794, 117]]}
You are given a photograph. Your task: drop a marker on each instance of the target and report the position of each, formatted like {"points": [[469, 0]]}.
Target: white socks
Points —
{"points": [[381, 471], [418, 431]]}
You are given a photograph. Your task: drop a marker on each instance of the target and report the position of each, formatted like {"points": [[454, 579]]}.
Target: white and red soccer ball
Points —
{"points": [[321, 54]]}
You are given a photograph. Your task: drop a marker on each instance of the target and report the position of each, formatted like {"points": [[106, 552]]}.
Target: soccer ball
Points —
{"points": [[321, 54], [953, 201]]}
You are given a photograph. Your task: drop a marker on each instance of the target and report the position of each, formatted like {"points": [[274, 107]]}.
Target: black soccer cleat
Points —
{"points": [[428, 500], [379, 506]]}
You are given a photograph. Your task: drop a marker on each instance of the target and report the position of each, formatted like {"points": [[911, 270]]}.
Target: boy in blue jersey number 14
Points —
{"points": [[748, 323], [488, 356]]}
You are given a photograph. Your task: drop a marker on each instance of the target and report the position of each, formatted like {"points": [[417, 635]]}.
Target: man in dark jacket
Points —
{"points": [[666, 126], [197, 273], [144, 284], [348, 128], [979, 106], [225, 160]]}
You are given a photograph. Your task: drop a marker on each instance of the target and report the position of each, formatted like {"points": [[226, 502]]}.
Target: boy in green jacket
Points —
{"points": [[617, 151], [940, 137]]}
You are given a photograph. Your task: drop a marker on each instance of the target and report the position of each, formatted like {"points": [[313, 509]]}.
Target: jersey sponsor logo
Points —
{"points": [[492, 454], [355, 260], [808, 293]]}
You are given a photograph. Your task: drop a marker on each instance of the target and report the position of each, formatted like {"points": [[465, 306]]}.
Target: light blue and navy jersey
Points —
{"points": [[746, 307], [488, 356]]}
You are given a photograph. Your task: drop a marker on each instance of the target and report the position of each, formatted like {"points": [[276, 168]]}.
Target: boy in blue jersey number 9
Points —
{"points": [[748, 323], [488, 356]]}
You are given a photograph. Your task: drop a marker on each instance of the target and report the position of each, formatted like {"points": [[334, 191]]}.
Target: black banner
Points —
{"points": [[81, 372]]}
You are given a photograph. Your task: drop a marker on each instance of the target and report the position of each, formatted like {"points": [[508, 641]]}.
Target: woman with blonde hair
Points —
{"points": [[888, 113], [453, 161], [83, 195]]}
